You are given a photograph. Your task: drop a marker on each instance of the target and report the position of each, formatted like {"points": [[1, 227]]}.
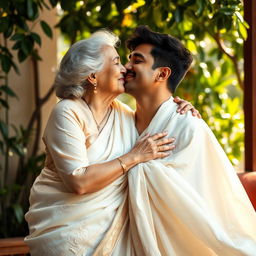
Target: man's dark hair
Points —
{"points": [[167, 51]]}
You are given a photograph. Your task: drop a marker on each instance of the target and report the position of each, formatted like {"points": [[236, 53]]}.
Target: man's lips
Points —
{"points": [[130, 75]]}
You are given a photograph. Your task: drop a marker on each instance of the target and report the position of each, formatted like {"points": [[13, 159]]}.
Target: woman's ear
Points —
{"points": [[92, 79], [164, 74]]}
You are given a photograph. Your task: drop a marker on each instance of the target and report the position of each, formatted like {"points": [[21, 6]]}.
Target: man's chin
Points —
{"points": [[127, 86]]}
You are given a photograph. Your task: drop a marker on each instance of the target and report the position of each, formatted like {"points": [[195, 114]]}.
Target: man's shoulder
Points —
{"points": [[188, 118], [189, 122]]}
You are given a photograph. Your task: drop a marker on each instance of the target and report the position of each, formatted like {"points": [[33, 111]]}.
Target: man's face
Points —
{"points": [[140, 76]]}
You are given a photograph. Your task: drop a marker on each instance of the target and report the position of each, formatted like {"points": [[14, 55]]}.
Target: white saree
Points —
{"points": [[62, 223], [192, 202]]}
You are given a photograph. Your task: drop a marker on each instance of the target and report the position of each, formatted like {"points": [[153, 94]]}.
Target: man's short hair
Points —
{"points": [[167, 51]]}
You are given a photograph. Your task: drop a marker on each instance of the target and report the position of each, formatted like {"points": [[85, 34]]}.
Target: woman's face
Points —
{"points": [[111, 78]]}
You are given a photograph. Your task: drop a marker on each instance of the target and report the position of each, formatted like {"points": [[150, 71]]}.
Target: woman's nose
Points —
{"points": [[123, 69]]}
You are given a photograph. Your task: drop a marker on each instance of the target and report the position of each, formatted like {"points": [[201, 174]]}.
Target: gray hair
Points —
{"points": [[84, 58]]}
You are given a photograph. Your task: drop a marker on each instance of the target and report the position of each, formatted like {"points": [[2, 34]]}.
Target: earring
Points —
{"points": [[95, 88]]}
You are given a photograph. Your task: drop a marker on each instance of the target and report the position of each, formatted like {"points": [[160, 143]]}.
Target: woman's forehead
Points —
{"points": [[110, 52]]}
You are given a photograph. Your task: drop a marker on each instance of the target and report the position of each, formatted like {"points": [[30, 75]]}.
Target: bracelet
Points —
{"points": [[124, 167]]}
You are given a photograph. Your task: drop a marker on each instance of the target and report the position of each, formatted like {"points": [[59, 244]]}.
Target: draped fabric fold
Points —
{"points": [[192, 202], [188, 204], [63, 223]]}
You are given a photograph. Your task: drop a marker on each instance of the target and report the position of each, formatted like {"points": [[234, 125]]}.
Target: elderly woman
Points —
{"points": [[82, 190]]}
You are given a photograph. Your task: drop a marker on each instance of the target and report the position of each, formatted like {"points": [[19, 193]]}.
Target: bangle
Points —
{"points": [[124, 167]]}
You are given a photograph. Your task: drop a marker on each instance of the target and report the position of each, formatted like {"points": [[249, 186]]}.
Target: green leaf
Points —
{"points": [[18, 211], [27, 45], [45, 5], [224, 68], [228, 23], [221, 22], [21, 55], [35, 55], [30, 9], [4, 24], [21, 23], [157, 15], [201, 5], [15, 67], [4, 129], [242, 31], [9, 31], [17, 148], [46, 28], [227, 10], [8, 90], [4, 103], [6, 63], [36, 37], [67, 5], [17, 45], [190, 2], [178, 14], [17, 37]]}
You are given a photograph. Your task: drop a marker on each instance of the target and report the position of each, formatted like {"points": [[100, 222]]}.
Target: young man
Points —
{"points": [[190, 203]]}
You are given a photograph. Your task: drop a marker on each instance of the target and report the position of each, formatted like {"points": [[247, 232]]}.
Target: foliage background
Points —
{"points": [[213, 30]]}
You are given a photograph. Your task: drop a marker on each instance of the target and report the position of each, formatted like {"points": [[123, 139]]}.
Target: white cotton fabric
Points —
{"points": [[190, 203], [63, 223]]}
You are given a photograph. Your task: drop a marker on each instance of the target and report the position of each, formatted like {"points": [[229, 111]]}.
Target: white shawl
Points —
{"points": [[192, 202]]}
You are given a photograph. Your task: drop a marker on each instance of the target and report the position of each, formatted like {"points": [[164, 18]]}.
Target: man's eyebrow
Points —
{"points": [[136, 54]]}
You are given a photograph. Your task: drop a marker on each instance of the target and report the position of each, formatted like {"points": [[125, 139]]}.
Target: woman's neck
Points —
{"points": [[98, 103]]}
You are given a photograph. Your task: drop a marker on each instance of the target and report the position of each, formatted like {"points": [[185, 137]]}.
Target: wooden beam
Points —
{"points": [[13, 246], [250, 86]]}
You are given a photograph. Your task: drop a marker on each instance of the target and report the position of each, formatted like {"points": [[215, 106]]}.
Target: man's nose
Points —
{"points": [[128, 65]]}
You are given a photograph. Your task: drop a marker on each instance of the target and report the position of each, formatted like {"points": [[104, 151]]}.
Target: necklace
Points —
{"points": [[101, 124]]}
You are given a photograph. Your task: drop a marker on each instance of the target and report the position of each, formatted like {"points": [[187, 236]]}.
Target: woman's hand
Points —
{"points": [[152, 147], [184, 106]]}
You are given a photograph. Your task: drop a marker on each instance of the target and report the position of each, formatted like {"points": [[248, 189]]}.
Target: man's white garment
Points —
{"points": [[191, 203]]}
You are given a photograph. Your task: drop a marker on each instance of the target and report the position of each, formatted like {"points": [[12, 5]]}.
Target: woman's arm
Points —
{"points": [[98, 176]]}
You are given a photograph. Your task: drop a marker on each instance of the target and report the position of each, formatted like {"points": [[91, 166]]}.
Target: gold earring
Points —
{"points": [[95, 88]]}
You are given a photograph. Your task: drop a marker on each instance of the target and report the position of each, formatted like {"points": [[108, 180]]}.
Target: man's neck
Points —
{"points": [[147, 106]]}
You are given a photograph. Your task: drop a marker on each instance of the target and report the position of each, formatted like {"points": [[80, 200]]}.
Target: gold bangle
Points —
{"points": [[124, 167]]}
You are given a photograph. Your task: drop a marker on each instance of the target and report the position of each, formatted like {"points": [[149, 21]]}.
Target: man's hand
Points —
{"points": [[184, 106]]}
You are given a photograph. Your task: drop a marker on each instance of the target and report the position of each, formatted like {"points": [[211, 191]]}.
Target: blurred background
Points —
{"points": [[35, 34]]}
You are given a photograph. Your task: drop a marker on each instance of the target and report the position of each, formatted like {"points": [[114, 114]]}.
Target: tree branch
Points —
{"points": [[233, 58]]}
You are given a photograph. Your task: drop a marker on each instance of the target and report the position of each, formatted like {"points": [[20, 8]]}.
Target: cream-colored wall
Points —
{"points": [[21, 109]]}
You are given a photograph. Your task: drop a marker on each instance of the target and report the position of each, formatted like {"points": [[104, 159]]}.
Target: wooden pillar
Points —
{"points": [[250, 86]]}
